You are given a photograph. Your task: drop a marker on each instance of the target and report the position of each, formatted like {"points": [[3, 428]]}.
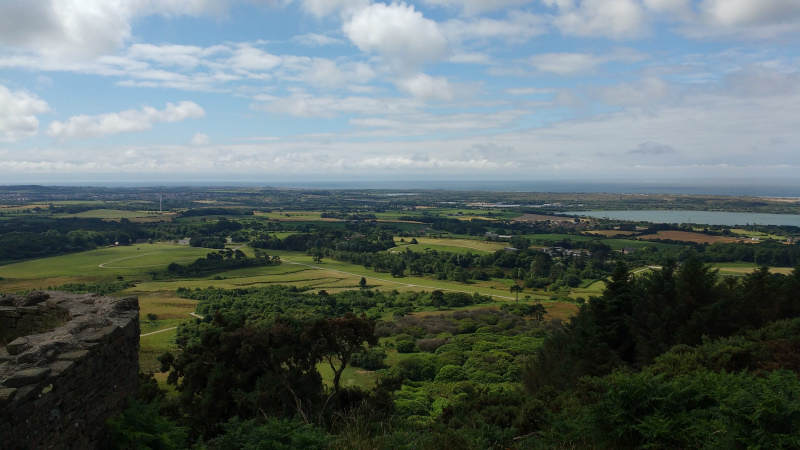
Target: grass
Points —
{"points": [[165, 305], [745, 268], [757, 234], [481, 246], [122, 260], [595, 288], [153, 346], [351, 376]]}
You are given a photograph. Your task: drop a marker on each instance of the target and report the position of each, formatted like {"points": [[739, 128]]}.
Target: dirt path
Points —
{"points": [[159, 331], [168, 329]]}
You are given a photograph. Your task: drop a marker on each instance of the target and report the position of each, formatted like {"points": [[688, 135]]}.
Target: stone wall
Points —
{"points": [[70, 363]]}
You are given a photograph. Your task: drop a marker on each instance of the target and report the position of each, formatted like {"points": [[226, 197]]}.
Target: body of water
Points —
{"points": [[696, 217], [773, 187]]}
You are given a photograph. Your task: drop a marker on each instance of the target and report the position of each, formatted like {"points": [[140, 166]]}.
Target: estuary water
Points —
{"points": [[696, 217]]}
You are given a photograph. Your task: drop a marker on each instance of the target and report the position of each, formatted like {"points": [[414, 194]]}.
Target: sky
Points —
{"points": [[280, 90]]}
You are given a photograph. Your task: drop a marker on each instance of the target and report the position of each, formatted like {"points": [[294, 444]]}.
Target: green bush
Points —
{"points": [[276, 434], [450, 373], [140, 426]]}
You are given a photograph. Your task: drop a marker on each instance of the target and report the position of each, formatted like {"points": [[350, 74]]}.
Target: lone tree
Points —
{"points": [[516, 289], [363, 283], [335, 340]]}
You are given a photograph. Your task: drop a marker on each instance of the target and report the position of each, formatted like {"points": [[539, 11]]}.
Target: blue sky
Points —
{"points": [[276, 90]]}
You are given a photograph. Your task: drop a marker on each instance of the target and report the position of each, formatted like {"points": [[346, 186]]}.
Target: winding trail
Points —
{"points": [[168, 329], [159, 331]]}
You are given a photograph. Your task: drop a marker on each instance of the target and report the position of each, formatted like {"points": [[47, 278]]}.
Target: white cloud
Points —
{"points": [[85, 28], [651, 148], [731, 19], [302, 104], [325, 73], [247, 58], [645, 92], [528, 91], [470, 58], [750, 12], [477, 6], [18, 110], [397, 32], [616, 19], [675, 9], [426, 87], [760, 81], [200, 140], [185, 56], [565, 63], [83, 126], [316, 40], [579, 63], [65, 27], [518, 27], [748, 19], [322, 8]]}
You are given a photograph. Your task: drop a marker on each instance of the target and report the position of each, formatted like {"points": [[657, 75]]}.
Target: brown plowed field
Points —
{"points": [[688, 236]]}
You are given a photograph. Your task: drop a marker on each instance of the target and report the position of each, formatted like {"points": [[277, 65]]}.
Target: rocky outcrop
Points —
{"points": [[69, 364]]}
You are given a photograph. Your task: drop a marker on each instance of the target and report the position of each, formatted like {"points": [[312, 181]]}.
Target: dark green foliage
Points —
{"points": [[275, 434], [227, 368], [140, 427], [369, 359], [638, 318], [217, 212], [697, 409], [100, 288], [217, 262]]}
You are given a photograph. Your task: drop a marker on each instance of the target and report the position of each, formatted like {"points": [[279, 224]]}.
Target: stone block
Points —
{"points": [[61, 367], [26, 377], [28, 309], [6, 395], [77, 356], [9, 311], [14, 347], [103, 334]]}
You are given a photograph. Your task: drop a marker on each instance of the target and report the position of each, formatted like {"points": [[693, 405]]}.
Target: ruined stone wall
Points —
{"points": [[58, 387]]}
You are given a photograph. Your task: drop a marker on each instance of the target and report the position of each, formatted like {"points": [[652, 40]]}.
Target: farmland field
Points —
{"points": [[104, 262], [539, 217], [745, 268], [610, 233], [688, 236]]}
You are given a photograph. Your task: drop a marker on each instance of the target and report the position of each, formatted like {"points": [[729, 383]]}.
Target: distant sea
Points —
{"points": [[749, 187], [695, 217]]}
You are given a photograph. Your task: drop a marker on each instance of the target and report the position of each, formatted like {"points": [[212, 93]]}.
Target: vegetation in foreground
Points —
{"points": [[670, 354], [675, 357]]}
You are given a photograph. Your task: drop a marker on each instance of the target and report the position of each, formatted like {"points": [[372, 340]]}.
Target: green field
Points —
{"points": [[114, 214], [153, 346], [352, 376], [744, 268], [104, 262]]}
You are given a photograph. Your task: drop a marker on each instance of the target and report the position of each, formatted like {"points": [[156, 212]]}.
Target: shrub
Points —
{"points": [[450, 373], [406, 347]]}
